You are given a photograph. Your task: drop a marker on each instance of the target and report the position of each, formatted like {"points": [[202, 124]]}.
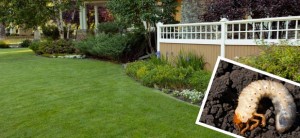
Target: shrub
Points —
{"points": [[199, 80], [136, 46], [132, 68], [62, 47], [3, 45], [157, 72], [53, 47], [108, 28], [25, 43], [280, 60], [113, 43], [158, 61], [50, 31], [104, 46], [167, 76], [190, 60], [34, 46]]}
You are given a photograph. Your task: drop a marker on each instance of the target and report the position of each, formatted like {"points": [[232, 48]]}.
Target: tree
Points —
{"points": [[239, 9], [69, 7], [132, 13], [4, 17], [26, 13], [34, 13], [275, 8]]}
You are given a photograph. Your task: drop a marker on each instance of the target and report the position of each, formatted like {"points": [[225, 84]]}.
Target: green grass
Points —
{"points": [[44, 97]]}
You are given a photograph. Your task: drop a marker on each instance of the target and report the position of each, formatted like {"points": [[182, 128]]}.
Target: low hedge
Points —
{"points": [[3, 44], [155, 73], [26, 43], [53, 47]]}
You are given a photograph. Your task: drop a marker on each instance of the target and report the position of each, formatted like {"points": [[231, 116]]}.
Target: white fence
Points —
{"points": [[239, 32]]}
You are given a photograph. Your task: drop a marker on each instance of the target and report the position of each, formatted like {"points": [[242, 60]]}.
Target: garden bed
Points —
{"points": [[222, 101]]}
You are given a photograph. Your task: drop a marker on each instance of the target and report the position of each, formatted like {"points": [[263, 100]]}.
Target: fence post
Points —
{"points": [[223, 35], [158, 25]]}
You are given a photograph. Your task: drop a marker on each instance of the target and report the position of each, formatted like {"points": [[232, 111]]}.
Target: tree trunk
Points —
{"points": [[37, 34], [149, 37], [68, 31], [61, 25], [59, 19], [2, 31], [69, 24]]}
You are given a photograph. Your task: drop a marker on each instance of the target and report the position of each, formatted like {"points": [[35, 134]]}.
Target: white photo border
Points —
{"points": [[211, 81]]}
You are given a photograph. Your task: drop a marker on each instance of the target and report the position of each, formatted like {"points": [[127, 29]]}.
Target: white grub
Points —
{"points": [[285, 108]]}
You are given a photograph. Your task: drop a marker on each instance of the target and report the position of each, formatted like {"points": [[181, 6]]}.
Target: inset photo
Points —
{"points": [[242, 101]]}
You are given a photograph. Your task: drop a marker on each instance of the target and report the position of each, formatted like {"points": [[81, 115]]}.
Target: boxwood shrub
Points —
{"points": [[53, 47], [3, 45], [25, 43]]}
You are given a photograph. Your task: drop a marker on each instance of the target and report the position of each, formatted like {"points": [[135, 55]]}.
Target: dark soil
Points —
{"points": [[228, 82]]}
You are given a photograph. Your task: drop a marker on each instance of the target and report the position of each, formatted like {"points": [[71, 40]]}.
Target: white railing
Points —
{"points": [[239, 32]]}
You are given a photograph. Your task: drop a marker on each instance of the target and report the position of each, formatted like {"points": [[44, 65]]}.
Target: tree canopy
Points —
{"points": [[133, 12], [239, 9], [30, 13], [34, 13]]}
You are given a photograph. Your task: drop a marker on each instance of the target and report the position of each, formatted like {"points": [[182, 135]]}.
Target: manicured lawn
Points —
{"points": [[43, 97]]}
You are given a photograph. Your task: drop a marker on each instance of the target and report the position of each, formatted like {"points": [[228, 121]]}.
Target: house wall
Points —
{"points": [[25, 31], [210, 52], [192, 11], [178, 13]]}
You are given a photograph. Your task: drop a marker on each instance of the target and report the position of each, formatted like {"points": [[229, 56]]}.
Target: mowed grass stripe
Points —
{"points": [[44, 97]]}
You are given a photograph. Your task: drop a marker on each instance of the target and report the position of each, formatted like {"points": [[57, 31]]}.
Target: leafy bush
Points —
{"points": [[190, 60], [281, 60], [162, 60], [25, 43], [199, 80], [3, 45], [136, 46], [34, 46], [108, 28], [53, 47], [113, 43], [166, 76], [131, 68], [104, 46], [158, 72], [50, 31], [179, 81], [62, 46]]}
